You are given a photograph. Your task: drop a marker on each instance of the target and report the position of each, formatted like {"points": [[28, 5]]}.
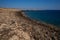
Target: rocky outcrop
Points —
{"points": [[14, 25]]}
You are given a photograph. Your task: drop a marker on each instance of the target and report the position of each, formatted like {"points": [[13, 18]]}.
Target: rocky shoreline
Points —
{"points": [[14, 25]]}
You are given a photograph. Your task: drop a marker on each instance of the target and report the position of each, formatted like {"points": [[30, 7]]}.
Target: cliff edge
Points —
{"points": [[14, 25]]}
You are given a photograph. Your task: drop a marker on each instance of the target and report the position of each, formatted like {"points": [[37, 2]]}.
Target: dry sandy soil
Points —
{"points": [[14, 25]]}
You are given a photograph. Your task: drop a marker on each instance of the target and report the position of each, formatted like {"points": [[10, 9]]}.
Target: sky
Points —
{"points": [[31, 4]]}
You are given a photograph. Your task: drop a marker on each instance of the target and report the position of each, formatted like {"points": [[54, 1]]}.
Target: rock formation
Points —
{"points": [[14, 25]]}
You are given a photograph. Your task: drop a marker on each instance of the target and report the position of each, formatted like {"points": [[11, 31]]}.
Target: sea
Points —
{"points": [[47, 16]]}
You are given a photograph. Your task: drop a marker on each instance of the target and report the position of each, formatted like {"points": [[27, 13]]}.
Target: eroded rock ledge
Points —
{"points": [[15, 26]]}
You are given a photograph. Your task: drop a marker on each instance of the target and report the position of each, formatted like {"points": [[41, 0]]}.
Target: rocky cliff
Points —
{"points": [[14, 25]]}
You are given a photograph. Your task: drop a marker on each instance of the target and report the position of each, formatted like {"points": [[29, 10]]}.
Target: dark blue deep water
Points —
{"points": [[48, 16]]}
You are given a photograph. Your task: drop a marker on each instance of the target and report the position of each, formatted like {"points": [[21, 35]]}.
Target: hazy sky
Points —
{"points": [[29, 4]]}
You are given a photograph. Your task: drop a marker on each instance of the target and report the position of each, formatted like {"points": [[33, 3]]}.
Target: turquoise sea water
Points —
{"points": [[48, 16]]}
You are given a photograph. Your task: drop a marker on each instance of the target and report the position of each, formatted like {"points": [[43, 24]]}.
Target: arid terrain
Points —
{"points": [[14, 25]]}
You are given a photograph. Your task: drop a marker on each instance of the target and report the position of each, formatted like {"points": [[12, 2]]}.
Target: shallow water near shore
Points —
{"points": [[48, 16]]}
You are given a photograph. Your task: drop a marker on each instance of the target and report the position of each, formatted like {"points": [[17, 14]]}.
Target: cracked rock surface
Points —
{"points": [[15, 26]]}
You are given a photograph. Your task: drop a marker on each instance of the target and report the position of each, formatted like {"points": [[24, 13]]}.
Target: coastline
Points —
{"points": [[15, 23], [47, 16], [36, 21]]}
